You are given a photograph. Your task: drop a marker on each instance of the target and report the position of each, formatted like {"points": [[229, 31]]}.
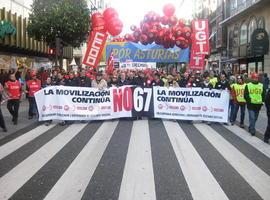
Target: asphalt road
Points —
{"points": [[138, 160]]}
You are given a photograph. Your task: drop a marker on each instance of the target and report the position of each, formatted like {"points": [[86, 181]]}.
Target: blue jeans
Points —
{"points": [[32, 106], [253, 116], [242, 113], [231, 109]]}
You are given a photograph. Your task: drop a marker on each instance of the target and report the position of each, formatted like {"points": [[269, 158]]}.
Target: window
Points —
{"points": [[231, 39], [243, 34], [233, 4], [261, 23], [236, 35], [252, 26]]}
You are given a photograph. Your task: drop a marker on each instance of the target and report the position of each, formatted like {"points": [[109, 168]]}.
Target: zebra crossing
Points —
{"points": [[134, 160]]}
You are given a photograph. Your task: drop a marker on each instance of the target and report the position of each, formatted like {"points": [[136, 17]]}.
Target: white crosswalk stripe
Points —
{"points": [[83, 167], [253, 141], [14, 179], [258, 179], [202, 184], [139, 178], [17, 143]]}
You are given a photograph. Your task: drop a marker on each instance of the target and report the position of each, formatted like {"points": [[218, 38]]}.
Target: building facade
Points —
{"points": [[239, 32], [17, 49], [243, 19], [214, 11]]}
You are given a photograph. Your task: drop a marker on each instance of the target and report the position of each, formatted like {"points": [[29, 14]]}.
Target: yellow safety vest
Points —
{"points": [[213, 81], [255, 92], [239, 92]]}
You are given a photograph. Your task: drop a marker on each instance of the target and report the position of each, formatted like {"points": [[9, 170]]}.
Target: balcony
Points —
{"points": [[243, 9]]}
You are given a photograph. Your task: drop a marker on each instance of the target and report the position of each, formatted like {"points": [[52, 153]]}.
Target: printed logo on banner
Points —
{"points": [[95, 47]]}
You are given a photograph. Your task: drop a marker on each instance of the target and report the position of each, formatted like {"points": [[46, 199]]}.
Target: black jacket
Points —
{"points": [[222, 85], [84, 82], [72, 82], [267, 103], [139, 81], [183, 82], [157, 83], [122, 83]]}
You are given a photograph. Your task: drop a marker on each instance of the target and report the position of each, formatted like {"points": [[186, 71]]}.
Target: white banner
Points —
{"points": [[74, 103], [138, 65], [191, 104], [79, 103]]}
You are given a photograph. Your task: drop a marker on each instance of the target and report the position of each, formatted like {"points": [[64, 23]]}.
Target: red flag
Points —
{"points": [[200, 44], [110, 64], [95, 46], [196, 61]]}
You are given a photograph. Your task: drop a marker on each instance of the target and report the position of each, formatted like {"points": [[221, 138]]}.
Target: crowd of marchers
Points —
{"points": [[249, 92]]}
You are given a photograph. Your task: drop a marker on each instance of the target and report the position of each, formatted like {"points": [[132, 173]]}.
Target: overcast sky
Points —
{"points": [[132, 11]]}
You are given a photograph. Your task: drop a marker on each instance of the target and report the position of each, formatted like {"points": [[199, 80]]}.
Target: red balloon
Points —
{"points": [[115, 26], [187, 32], [173, 20], [180, 41], [178, 31], [137, 33], [109, 14], [169, 40], [98, 22], [145, 27], [144, 39], [181, 23], [152, 33], [168, 9], [156, 26], [164, 20], [156, 18]]}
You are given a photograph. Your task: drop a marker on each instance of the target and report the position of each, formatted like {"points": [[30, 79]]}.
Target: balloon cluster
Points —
{"points": [[108, 21], [165, 30]]}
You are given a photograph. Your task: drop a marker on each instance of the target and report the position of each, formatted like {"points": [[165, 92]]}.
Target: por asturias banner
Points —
{"points": [[135, 52], [80, 103], [200, 44], [95, 47]]}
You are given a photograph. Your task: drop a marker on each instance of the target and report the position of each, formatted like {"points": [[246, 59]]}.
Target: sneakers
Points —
{"points": [[30, 117], [47, 123], [4, 129], [63, 123], [242, 126], [252, 132]]}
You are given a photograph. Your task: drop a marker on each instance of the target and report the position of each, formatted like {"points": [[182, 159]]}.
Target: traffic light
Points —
{"points": [[59, 46], [51, 51]]}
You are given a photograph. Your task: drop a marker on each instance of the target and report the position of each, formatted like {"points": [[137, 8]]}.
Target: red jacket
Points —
{"points": [[14, 89], [33, 86]]}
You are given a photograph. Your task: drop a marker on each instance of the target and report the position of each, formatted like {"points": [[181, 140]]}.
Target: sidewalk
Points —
{"points": [[23, 120]]}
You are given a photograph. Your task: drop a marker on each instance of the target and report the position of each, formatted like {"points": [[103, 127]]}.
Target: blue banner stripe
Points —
{"points": [[129, 51]]}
